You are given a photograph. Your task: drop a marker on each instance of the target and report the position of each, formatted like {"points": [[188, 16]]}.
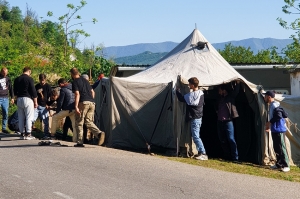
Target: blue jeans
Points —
{"points": [[195, 130], [4, 103], [42, 113], [226, 136]]}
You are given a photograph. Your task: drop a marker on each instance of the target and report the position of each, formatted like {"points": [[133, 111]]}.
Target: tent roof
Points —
{"points": [[187, 61]]}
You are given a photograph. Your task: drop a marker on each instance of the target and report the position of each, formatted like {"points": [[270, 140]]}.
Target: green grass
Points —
{"points": [[243, 168]]}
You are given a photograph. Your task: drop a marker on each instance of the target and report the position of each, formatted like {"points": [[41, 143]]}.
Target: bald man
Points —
{"points": [[6, 90]]}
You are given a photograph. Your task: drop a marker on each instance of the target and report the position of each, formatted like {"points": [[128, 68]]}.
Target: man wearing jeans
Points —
{"points": [[65, 107], [84, 108], [5, 90], [226, 111], [194, 111], [43, 94], [26, 95]]}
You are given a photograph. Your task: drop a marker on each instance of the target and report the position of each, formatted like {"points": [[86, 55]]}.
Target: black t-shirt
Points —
{"points": [[85, 90], [43, 90]]}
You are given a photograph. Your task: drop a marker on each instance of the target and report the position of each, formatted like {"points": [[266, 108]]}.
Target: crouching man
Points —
{"points": [[65, 107]]}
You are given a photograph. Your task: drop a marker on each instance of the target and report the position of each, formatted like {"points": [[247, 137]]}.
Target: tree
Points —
{"points": [[242, 55], [65, 22], [292, 51]]}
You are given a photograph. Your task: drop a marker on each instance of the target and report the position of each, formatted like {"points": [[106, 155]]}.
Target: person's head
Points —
{"points": [[100, 76], [54, 94], [222, 90], [62, 82], [193, 83], [4, 71], [74, 73], [269, 96], [85, 76], [42, 79], [27, 70]]}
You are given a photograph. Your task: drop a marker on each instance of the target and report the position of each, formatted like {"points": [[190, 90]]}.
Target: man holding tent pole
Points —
{"points": [[194, 111], [226, 111]]}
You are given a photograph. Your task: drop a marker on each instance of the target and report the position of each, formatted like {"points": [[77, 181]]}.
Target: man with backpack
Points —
{"points": [[276, 124]]}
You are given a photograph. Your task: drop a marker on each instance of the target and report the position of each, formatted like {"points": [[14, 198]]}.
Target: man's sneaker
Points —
{"points": [[285, 169], [78, 145], [201, 157], [29, 137], [101, 137], [274, 167]]}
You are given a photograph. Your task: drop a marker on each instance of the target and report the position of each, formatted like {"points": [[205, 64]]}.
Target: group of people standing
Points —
{"points": [[226, 110], [74, 100]]}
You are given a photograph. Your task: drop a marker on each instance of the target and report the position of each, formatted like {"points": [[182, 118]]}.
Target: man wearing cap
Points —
{"points": [[276, 124]]}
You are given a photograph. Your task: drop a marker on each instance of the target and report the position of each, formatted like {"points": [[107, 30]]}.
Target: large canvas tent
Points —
{"points": [[144, 113]]}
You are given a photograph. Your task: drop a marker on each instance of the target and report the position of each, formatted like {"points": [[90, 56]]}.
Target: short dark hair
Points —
{"points": [[42, 76], [194, 81], [74, 71], [26, 68], [62, 81]]}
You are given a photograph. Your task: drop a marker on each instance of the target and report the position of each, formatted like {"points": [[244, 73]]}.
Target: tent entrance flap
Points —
{"points": [[247, 133]]}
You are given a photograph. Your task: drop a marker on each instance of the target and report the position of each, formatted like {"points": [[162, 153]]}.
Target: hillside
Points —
{"points": [[130, 50], [145, 58]]}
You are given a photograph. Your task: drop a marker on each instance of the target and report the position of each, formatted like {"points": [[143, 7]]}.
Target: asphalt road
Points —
{"points": [[31, 171]]}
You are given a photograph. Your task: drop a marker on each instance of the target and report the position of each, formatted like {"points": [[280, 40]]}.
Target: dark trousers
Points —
{"points": [[226, 137], [68, 125], [282, 159]]}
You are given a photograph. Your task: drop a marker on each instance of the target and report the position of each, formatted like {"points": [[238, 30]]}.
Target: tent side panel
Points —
{"points": [[141, 113]]}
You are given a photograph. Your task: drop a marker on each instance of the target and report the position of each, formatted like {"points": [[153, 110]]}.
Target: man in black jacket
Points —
{"points": [[65, 107], [194, 111], [226, 111]]}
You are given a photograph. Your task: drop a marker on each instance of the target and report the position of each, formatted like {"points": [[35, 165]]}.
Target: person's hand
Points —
{"points": [[77, 110], [268, 127], [35, 105], [12, 101]]}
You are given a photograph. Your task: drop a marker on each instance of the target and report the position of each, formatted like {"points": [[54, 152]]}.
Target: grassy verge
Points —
{"points": [[244, 168]]}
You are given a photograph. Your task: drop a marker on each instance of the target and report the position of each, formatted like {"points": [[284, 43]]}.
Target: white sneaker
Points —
{"points": [[285, 169], [274, 167], [201, 157], [29, 138]]}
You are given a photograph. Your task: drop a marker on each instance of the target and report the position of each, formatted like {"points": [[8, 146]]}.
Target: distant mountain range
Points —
{"points": [[149, 53]]}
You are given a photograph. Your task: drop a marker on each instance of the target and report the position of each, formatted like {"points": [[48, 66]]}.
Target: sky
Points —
{"points": [[122, 22]]}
